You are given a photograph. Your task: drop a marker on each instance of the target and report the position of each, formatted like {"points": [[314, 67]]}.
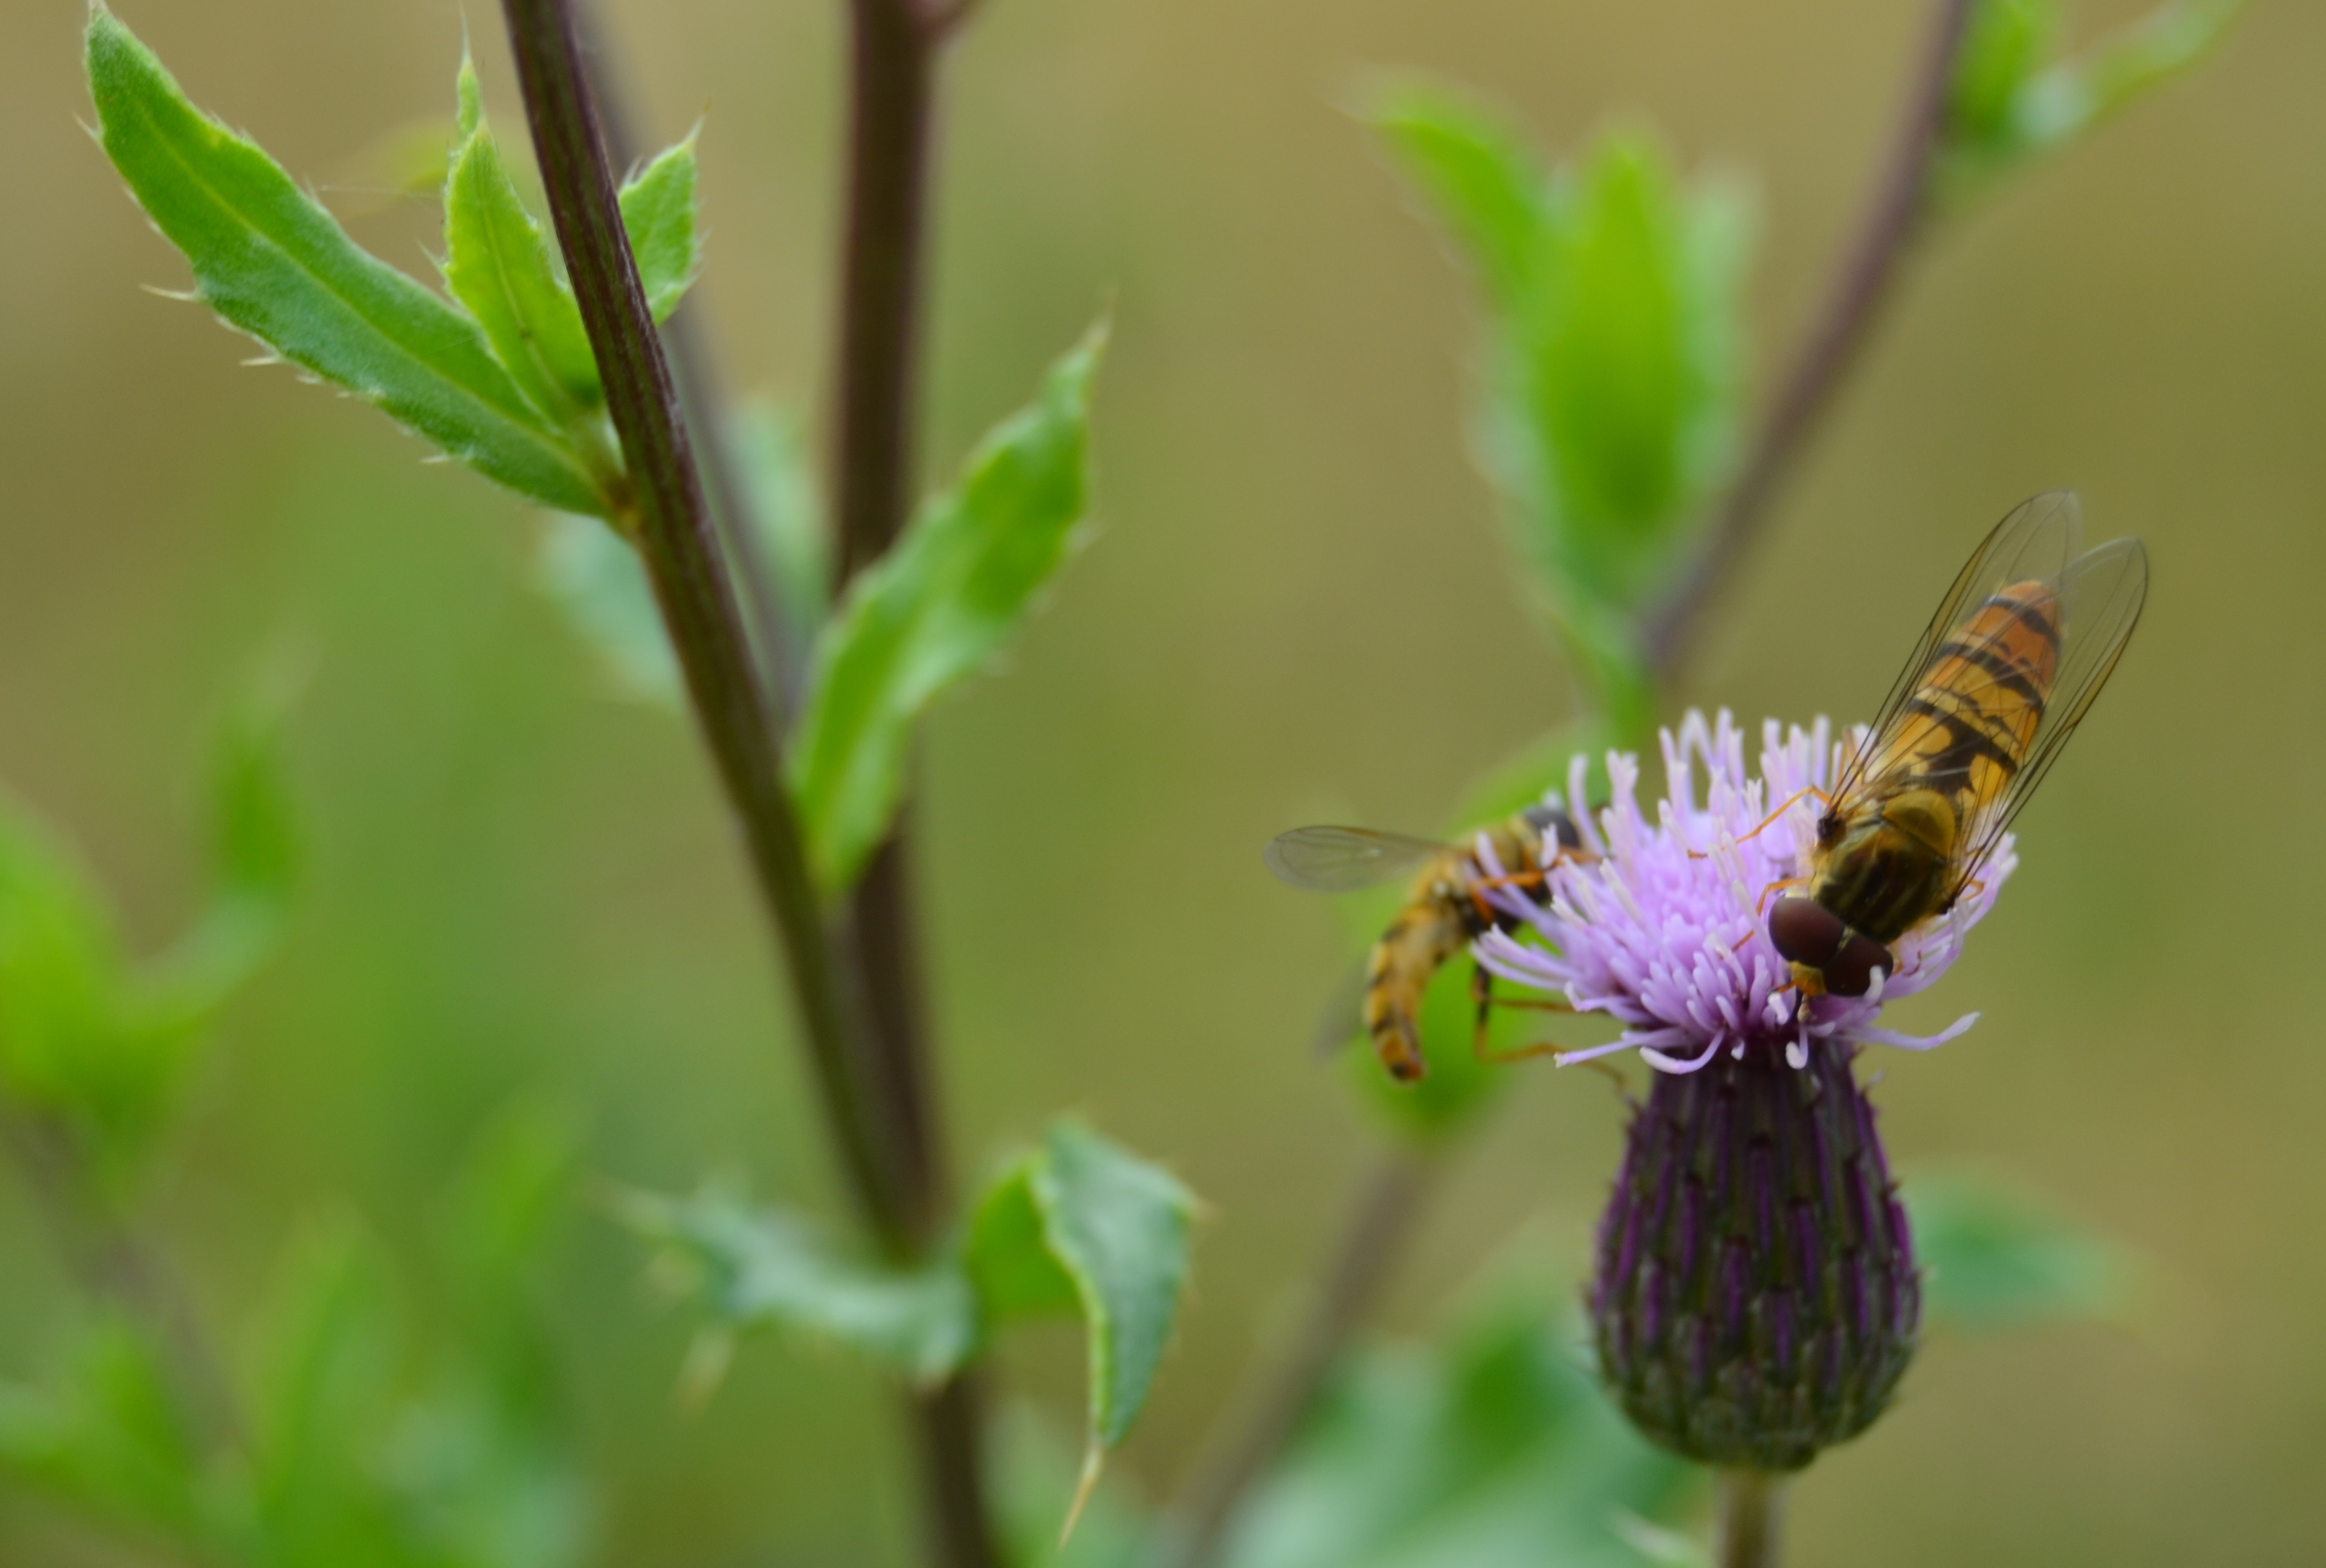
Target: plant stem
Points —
{"points": [[666, 516], [1389, 1202], [893, 57], [1744, 1518], [1838, 334]]}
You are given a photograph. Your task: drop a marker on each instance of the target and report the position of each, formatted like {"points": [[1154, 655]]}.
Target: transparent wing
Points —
{"points": [[2036, 540], [1342, 1019], [2101, 595], [1343, 859]]}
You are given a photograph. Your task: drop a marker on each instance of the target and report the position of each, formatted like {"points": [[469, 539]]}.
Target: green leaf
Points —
{"points": [[2008, 106], [760, 1268], [1494, 1449], [596, 577], [112, 1438], [1993, 1256], [1480, 179], [1084, 1223], [270, 261], [938, 605], [508, 1198], [497, 264], [472, 97], [658, 214], [1037, 1476]]}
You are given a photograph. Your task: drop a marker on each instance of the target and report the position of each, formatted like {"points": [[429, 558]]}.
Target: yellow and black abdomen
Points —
{"points": [[1967, 727], [1429, 930]]}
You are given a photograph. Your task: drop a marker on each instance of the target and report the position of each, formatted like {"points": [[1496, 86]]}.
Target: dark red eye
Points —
{"points": [[1805, 930], [1850, 971]]}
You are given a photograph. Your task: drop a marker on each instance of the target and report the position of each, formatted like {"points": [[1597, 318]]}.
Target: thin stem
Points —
{"points": [[1837, 335], [664, 512], [894, 45], [1744, 1518], [1389, 1201]]}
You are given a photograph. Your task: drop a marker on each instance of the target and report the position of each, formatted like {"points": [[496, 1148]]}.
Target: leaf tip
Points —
{"points": [[1094, 1463], [709, 1355]]}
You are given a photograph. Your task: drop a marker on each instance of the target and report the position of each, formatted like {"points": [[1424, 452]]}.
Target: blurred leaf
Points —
{"points": [[756, 1268], [112, 1439], [1537, 769], [508, 1200], [481, 1485], [1494, 1448], [597, 578], [496, 263], [272, 263], [1993, 1257], [777, 478], [2008, 105], [658, 214], [1036, 1477], [939, 604], [1612, 383], [328, 1359]]}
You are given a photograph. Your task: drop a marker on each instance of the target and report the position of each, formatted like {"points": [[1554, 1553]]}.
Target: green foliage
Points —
{"points": [[1493, 1447], [777, 478], [1612, 392], [2010, 102], [939, 604], [659, 215], [1079, 1224], [270, 261], [92, 1045], [1995, 1258], [496, 263], [596, 577]]}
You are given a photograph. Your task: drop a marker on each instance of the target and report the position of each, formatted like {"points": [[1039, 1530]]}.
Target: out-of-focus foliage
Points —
{"points": [[1993, 1256], [777, 479], [1077, 1225], [2013, 100], [1611, 374], [350, 1448], [501, 378], [94, 1046], [936, 606], [597, 578]]}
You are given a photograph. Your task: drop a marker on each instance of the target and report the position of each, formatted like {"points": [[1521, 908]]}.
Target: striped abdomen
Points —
{"points": [[1967, 728]]}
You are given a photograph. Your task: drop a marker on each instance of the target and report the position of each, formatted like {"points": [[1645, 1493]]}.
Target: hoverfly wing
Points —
{"points": [[2101, 595], [1343, 1020], [2036, 540], [1343, 859]]}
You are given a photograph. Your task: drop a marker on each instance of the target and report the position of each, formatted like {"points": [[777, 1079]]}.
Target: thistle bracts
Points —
{"points": [[1754, 1297]]}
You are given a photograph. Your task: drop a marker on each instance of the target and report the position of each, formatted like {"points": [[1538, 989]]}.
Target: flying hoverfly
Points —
{"points": [[2020, 646], [1444, 911]]}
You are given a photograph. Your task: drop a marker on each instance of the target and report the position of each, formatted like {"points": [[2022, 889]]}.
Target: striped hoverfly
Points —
{"points": [[2019, 648], [1445, 908]]}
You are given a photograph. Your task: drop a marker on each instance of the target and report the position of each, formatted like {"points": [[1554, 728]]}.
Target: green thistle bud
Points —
{"points": [[1755, 1298]]}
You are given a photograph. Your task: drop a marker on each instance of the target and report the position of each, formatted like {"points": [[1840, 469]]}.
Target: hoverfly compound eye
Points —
{"points": [[1555, 825], [1805, 930], [1850, 972]]}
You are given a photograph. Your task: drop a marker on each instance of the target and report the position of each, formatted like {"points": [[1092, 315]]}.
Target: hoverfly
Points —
{"points": [[1444, 911], [2021, 644]]}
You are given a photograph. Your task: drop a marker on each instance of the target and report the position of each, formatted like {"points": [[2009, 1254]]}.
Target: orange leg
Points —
{"points": [[1762, 907], [1482, 988], [1790, 802]]}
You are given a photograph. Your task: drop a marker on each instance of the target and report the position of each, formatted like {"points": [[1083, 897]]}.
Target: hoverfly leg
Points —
{"points": [[1789, 803], [1762, 907]]}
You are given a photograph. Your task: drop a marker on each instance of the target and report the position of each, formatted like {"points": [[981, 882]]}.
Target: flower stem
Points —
{"points": [[1744, 1519], [1391, 1200], [1836, 335]]}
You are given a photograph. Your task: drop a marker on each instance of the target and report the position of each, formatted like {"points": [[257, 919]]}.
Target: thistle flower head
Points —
{"points": [[1662, 924]]}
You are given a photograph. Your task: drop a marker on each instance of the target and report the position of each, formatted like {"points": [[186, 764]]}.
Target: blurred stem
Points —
{"points": [[1389, 1202], [665, 514], [1838, 334], [1744, 1518], [894, 49]]}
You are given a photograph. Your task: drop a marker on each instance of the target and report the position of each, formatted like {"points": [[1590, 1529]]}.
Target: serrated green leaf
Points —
{"points": [[658, 214], [596, 577], [497, 264], [1120, 1229], [270, 261], [762, 1268], [1993, 1256], [1008, 1253], [1480, 181], [938, 605]]}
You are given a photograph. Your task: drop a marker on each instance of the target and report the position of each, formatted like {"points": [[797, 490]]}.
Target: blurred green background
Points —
{"points": [[1299, 608]]}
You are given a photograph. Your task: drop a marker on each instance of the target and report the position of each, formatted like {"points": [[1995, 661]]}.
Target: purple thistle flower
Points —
{"points": [[1754, 1297], [1663, 926]]}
